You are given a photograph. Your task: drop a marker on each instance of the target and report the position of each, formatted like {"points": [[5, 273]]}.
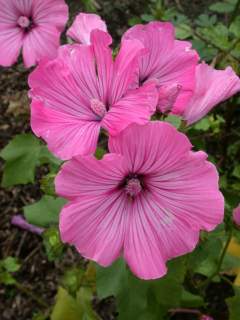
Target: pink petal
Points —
{"points": [[11, 40], [40, 42], [153, 150], [212, 87], [104, 63], [125, 69], [55, 84], [86, 176], [83, 25], [8, 14], [65, 134], [136, 107], [189, 191], [51, 13], [95, 225], [152, 238], [170, 61]]}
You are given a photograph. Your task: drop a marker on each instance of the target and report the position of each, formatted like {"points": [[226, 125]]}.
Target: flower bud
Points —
{"points": [[236, 216]]}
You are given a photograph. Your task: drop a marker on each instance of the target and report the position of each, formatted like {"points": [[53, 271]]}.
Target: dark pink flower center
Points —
{"points": [[133, 187], [24, 22], [98, 108]]}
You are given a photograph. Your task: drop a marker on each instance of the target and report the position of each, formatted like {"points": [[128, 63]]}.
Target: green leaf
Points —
{"points": [[138, 299], [189, 300], [222, 7], [183, 31], [44, 212], [67, 307], [131, 293], [21, 156], [174, 120], [236, 171], [205, 257], [46, 156], [10, 264], [203, 125], [234, 305], [168, 289], [109, 280], [6, 278]]}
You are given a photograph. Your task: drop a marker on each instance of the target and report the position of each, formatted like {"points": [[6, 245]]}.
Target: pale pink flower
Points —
{"points": [[212, 87], [147, 200], [33, 26], [83, 90], [171, 62], [83, 25], [236, 215]]}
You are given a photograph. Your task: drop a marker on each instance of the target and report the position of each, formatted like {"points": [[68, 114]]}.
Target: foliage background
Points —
{"points": [[42, 279]]}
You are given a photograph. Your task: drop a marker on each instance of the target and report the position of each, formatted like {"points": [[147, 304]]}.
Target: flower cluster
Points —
{"points": [[150, 196]]}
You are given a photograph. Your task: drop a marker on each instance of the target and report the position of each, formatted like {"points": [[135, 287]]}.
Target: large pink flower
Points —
{"points": [[147, 200], [83, 90], [33, 26], [212, 87], [83, 25], [171, 62]]}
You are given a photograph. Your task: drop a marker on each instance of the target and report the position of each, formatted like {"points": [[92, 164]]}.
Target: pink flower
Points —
{"points": [[83, 90], [83, 25], [171, 62], [236, 215], [33, 26], [205, 317], [147, 200], [212, 87]]}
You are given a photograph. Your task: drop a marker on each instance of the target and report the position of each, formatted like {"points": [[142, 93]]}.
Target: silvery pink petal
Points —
{"points": [[83, 25], [212, 87]]}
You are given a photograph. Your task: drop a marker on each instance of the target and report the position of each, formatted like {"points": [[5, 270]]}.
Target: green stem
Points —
{"points": [[31, 295], [205, 283]]}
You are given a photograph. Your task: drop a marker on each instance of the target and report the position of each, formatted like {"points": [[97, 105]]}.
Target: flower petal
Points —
{"points": [[152, 238], [66, 135], [156, 148], [95, 225], [63, 88], [52, 13], [212, 87], [170, 61], [136, 107], [11, 40], [83, 25], [40, 42], [86, 176], [189, 191], [125, 69]]}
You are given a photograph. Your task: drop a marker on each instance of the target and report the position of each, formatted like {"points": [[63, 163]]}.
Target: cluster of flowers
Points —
{"points": [[151, 195]]}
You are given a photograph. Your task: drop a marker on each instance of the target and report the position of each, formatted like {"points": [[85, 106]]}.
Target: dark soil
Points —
{"points": [[38, 274]]}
